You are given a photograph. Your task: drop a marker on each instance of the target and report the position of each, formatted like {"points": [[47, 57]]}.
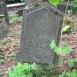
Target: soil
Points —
{"points": [[11, 44]]}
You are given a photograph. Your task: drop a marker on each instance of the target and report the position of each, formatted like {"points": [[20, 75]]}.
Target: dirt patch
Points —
{"points": [[9, 46]]}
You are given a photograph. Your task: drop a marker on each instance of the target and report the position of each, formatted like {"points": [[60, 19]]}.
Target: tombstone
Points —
{"points": [[3, 20], [29, 2], [3, 28], [4, 11], [40, 27], [19, 12], [62, 7]]}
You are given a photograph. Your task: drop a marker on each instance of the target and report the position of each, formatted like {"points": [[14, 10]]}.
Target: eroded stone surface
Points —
{"points": [[28, 2], [3, 28], [40, 26], [4, 11]]}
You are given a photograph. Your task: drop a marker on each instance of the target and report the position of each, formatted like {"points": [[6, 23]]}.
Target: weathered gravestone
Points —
{"points": [[62, 7], [40, 26], [3, 28], [3, 19], [4, 10]]}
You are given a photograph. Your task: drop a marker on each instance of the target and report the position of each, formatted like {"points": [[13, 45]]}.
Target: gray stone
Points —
{"points": [[50, 7], [4, 11], [20, 12], [3, 28], [28, 2], [40, 27], [62, 7]]}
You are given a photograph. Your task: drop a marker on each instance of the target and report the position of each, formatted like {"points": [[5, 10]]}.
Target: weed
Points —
{"points": [[1, 61], [29, 70], [74, 8], [68, 25], [3, 41], [14, 18], [12, 34], [65, 50], [55, 2], [22, 70], [12, 54]]}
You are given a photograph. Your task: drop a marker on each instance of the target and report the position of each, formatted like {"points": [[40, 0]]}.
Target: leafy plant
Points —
{"points": [[2, 56], [74, 7], [3, 41], [1, 61], [21, 70], [12, 55], [12, 34], [29, 70], [66, 29], [60, 50], [14, 18], [55, 2], [65, 50], [68, 26]]}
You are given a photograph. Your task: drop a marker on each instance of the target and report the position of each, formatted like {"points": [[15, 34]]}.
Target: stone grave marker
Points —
{"points": [[40, 26], [29, 2], [4, 21], [4, 10], [62, 7], [3, 28]]}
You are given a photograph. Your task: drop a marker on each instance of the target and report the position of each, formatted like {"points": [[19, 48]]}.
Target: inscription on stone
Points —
{"points": [[39, 27]]}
